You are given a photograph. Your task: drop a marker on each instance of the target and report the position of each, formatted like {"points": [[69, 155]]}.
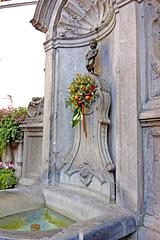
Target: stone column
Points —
{"points": [[129, 147], [19, 160], [48, 116]]}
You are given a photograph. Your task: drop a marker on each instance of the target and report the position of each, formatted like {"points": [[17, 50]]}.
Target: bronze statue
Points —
{"points": [[91, 55]]}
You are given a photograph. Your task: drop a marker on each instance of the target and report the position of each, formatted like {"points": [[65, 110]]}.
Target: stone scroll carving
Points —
{"points": [[89, 157], [154, 46], [80, 18], [35, 107]]}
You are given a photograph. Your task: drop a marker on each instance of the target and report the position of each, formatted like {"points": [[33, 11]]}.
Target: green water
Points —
{"points": [[46, 218]]}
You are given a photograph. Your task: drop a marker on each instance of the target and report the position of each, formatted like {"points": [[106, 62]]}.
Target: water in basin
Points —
{"points": [[44, 218]]}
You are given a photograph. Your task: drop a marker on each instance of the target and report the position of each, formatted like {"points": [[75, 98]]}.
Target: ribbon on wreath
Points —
{"points": [[83, 120]]}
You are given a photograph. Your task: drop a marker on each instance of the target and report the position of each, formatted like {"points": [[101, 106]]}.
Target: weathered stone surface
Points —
{"points": [[95, 219], [35, 107], [74, 203], [150, 118], [19, 161], [89, 158], [151, 57], [32, 150], [105, 227], [129, 62], [74, 21], [19, 200], [76, 18], [148, 234], [128, 159]]}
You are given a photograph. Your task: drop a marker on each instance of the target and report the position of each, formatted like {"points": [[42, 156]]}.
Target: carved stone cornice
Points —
{"points": [[42, 15], [45, 9], [150, 118], [82, 18], [10, 4], [121, 3], [74, 22]]}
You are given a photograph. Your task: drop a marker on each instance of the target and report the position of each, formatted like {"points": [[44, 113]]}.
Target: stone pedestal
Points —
{"points": [[32, 151]]}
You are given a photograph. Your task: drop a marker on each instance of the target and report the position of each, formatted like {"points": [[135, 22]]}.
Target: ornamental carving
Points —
{"points": [[151, 138], [35, 107], [89, 157], [154, 46], [80, 18]]}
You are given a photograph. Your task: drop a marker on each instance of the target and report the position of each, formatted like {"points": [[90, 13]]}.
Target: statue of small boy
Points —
{"points": [[91, 55]]}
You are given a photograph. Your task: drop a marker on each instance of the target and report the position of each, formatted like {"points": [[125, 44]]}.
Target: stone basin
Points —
{"points": [[94, 218]]}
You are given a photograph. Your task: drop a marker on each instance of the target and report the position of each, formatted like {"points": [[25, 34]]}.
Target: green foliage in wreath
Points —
{"points": [[81, 95]]}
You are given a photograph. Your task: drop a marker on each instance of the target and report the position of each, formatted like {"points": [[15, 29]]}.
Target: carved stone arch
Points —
{"points": [[75, 20], [42, 15]]}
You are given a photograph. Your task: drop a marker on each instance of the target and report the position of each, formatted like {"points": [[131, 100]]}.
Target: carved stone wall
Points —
{"points": [[65, 47], [89, 163], [86, 166], [76, 20], [32, 143], [152, 18], [150, 117], [129, 62], [151, 138], [151, 167], [74, 24]]}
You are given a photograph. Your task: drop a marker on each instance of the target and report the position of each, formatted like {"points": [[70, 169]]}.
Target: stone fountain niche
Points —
{"points": [[88, 165], [81, 163], [74, 160]]}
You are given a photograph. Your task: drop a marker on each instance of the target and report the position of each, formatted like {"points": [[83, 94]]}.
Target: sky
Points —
{"points": [[22, 57]]}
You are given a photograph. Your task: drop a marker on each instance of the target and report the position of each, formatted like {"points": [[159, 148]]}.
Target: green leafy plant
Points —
{"points": [[10, 131], [7, 178]]}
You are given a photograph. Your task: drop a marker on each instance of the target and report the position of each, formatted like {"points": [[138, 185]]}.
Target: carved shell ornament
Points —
{"points": [[82, 18]]}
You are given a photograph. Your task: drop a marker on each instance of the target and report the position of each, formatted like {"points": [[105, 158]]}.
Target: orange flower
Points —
{"points": [[83, 88], [88, 97], [76, 97]]}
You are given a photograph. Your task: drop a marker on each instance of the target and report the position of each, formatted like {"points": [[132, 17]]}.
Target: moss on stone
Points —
{"points": [[53, 220], [13, 224]]}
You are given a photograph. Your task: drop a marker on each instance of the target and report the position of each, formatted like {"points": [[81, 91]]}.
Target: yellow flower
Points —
{"points": [[76, 97], [72, 98], [78, 81], [72, 87]]}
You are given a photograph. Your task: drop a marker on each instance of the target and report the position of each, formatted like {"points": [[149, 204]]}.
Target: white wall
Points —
{"points": [[21, 55]]}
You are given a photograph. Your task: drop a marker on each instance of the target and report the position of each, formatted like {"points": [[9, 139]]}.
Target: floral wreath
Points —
{"points": [[81, 96]]}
